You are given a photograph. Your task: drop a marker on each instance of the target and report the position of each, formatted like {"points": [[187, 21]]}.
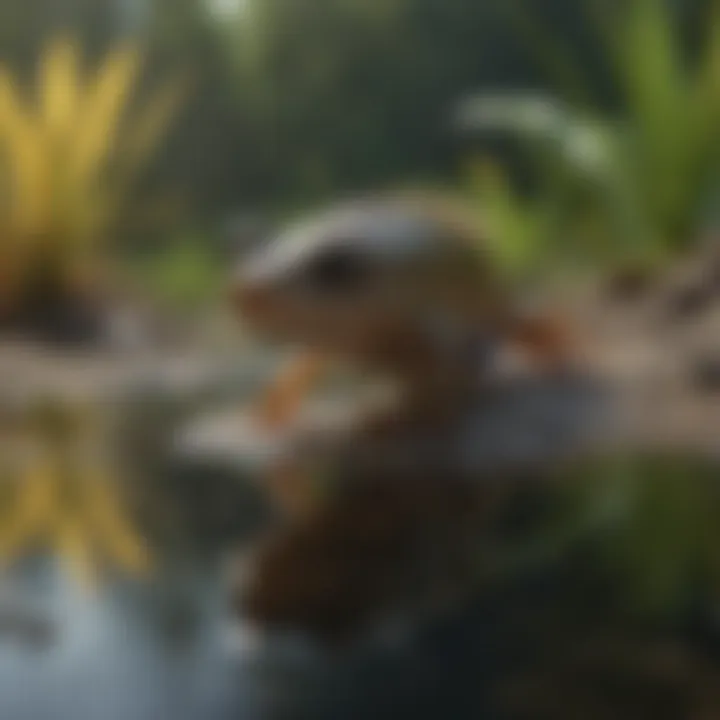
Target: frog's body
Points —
{"points": [[404, 289], [401, 287]]}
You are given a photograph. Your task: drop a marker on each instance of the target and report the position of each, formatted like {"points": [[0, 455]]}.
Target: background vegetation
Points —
{"points": [[298, 99], [135, 133]]}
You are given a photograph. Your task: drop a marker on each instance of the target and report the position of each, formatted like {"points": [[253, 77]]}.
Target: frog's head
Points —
{"points": [[340, 281]]}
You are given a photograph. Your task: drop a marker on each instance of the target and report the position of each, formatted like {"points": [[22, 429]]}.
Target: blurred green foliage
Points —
{"points": [[296, 100], [634, 182], [526, 235], [639, 182], [184, 275], [646, 526], [654, 525]]}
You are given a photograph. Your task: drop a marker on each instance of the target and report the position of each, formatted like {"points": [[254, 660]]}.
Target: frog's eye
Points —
{"points": [[338, 269]]}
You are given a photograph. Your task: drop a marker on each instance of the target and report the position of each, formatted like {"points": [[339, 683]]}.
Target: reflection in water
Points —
{"points": [[63, 494], [143, 646], [159, 644], [142, 651], [116, 655]]}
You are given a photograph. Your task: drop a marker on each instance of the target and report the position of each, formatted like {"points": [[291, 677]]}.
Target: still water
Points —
{"points": [[167, 648]]}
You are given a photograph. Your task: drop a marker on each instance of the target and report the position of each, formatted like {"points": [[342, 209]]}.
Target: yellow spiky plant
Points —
{"points": [[64, 496], [69, 154]]}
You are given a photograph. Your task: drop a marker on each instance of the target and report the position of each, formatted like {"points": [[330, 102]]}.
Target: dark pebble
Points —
{"points": [[706, 373], [630, 284], [691, 300]]}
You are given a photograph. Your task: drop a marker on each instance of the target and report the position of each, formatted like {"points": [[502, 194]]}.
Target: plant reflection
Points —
{"points": [[61, 492]]}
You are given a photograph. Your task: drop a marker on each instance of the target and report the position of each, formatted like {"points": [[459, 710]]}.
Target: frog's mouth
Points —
{"points": [[340, 326], [383, 342]]}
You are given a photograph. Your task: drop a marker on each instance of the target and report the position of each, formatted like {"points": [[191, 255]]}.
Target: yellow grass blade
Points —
{"points": [[23, 147], [33, 513], [117, 535], [65, 165], [74, 546], [144, 137], [152, 125], [59, 90], [102, 113]]}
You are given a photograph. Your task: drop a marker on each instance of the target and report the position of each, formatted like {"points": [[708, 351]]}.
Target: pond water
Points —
{"points": [[166, 648]]}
